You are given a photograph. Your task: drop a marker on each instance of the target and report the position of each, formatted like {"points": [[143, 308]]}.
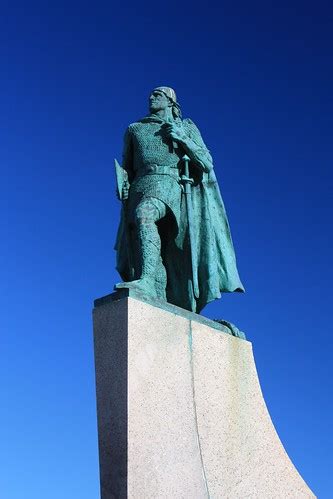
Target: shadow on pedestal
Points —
{"points": [[111, 365]]}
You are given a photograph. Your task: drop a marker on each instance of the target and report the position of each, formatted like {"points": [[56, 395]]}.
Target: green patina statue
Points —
{"points": [[174, 240]]}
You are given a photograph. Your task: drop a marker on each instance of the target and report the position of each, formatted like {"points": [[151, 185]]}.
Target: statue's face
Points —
{"points": [[158, 101]]}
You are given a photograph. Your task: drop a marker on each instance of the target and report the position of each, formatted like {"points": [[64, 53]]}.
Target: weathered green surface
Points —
{"points": [[174, 240]]}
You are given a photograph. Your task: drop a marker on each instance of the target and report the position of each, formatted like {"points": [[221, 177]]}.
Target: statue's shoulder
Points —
{"points": [[191, 127], [137, 128], [188, 123], [134, 126]]}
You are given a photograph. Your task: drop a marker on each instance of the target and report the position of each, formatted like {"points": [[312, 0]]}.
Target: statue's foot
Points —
{"points": [[145, 285]]}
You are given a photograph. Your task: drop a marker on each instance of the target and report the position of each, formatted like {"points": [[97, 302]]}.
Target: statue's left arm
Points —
{"points": [[190, 138]]}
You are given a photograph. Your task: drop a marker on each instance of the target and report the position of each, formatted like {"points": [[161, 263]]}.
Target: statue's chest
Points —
{"points": [[150, 137]]}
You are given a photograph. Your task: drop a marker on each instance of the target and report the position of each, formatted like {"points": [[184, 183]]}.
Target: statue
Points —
{"points": [[173, 241]]}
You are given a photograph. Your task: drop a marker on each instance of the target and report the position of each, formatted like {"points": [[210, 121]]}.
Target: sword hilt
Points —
{"points": [[185, 178], [186, 160]]}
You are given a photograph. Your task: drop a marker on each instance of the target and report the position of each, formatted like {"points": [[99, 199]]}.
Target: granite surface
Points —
{"points": [[180, 410]]}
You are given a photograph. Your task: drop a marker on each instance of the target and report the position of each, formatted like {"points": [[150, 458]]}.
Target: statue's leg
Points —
{"points": [[153, 278], [148, 213]]}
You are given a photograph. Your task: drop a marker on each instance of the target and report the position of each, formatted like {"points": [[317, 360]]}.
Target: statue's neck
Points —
{"points": [[164, 114]]}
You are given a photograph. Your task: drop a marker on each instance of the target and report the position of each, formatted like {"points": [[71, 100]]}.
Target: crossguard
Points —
{"points": [[187, 180]]}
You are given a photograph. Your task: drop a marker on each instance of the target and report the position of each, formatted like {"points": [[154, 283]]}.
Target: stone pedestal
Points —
{"points": [[180, 410]]}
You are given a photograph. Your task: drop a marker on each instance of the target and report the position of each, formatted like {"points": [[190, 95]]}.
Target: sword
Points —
{"points": [[187, 182]]}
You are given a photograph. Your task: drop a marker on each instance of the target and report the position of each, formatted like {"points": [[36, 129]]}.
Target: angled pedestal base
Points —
{"points": [[180, 410]]}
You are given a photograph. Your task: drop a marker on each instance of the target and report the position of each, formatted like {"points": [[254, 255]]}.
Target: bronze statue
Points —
{"points": [[174, 240]]}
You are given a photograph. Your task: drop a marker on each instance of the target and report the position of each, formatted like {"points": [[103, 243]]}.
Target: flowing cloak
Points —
{"points": [[216, 261]]}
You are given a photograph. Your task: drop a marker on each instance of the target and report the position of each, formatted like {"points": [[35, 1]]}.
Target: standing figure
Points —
{"points": [[173, 240]]}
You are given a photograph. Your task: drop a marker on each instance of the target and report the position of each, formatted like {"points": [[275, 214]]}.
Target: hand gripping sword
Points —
{"points": [[187, 182]]}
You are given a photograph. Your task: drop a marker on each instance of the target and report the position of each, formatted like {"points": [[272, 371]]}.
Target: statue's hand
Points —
{"points": [[124, 194], [175, 132], [125, 190]]}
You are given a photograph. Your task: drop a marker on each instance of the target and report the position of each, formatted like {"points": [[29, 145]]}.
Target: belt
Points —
{"points": [[152, 169]]}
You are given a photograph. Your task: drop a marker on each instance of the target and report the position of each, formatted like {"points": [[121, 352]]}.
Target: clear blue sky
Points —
{"points": [[256, 77]]}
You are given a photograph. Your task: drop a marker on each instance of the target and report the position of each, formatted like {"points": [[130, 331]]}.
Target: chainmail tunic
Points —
{"points": [[151, 146], [153, 164], [163, 187]]}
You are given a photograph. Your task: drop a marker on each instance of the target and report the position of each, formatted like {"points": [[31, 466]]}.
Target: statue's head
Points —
{"points": [[162, 98]]}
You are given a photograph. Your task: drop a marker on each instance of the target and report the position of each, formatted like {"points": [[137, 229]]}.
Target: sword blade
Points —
{"points": [[191, 231]]}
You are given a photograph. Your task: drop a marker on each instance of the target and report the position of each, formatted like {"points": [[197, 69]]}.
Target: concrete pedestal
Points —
{"points": [[180, 410]]}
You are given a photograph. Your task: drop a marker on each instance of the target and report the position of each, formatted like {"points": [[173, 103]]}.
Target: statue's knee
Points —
{"points": [[146, 213]]}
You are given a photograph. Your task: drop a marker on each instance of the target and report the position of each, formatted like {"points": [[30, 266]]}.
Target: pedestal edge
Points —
{"points": [[123, 294]]}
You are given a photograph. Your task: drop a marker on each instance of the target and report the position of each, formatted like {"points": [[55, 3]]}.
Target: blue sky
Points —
{"points": [[256, 77]]}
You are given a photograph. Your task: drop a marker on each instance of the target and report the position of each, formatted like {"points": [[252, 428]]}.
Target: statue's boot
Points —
{"points": [[153, 274]]}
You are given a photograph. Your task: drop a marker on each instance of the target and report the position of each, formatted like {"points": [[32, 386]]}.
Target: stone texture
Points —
{"points": [[180, 411], [242, 453]]}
